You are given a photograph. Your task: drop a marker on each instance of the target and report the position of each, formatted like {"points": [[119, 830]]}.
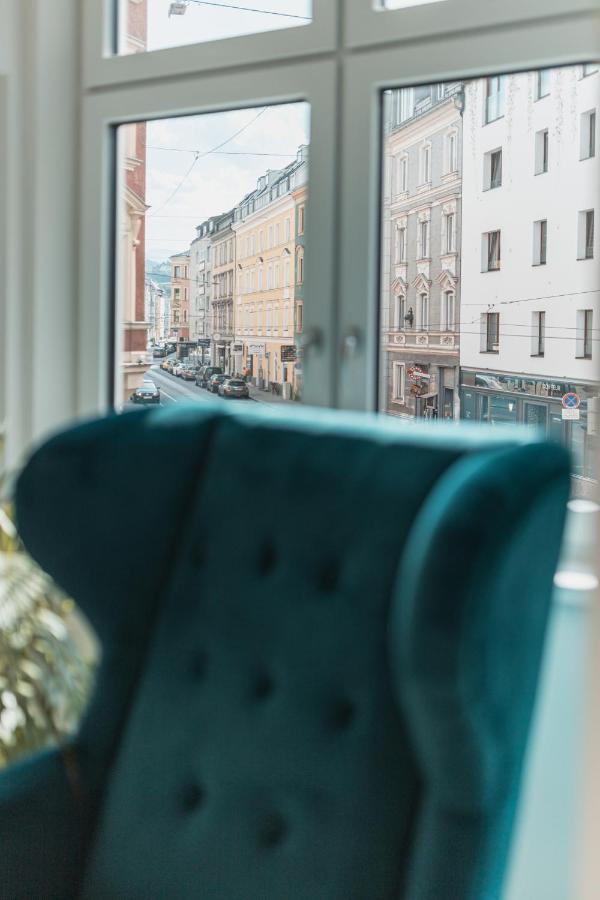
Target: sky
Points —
{"points": [[204, 21], [218, 180]]}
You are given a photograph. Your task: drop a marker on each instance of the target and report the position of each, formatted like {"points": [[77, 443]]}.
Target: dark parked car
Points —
{"points": [[206, 373], [234, 387], [214, 382], [159, 352], [146, 393]]}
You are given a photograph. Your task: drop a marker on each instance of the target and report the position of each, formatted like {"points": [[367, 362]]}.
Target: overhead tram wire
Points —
{"points": [[264, 12], [199, 156]]}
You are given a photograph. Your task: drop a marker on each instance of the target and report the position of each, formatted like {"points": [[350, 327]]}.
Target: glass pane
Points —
{"points": [[157, 24], [490, 277], [210, 263]]}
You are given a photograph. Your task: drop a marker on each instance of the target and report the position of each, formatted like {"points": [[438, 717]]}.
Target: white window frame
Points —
{"points": [[588, 134], [398, 382]]}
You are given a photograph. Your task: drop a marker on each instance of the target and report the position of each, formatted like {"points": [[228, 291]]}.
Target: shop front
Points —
{"points": [[500, 398]]}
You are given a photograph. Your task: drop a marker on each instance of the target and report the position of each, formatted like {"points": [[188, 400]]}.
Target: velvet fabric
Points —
{"points": [[321, 637]]}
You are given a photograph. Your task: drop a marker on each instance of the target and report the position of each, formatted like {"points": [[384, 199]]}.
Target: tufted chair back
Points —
{"points": [[321, 637]]}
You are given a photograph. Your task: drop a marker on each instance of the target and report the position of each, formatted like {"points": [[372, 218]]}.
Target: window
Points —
{"points": [[401, 174], [160, 24], [584, 333], [541, 152], [585, 235], [451, 152], [301, 220], [448, 321], [269, 277], [540, 238], [423, 248], [449, 233], [494, 98], [399, 312], [490, 332], [425, 164], [287, 230], [300, 268], [398, 372], [299, 317], [538, 333], [277, 235], [286, 277], [261, 240], [422, 312], [589, 69], [400, 254], [542, 83], [492, 169], [588, 134], [490, 248], [270, 237], [276, 283]]}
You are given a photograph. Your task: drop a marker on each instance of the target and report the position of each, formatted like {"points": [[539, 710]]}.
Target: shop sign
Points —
{"points": [[257, 349], [237, 348], [570, 414], [204, 342], [288, 353], [416, 374]]}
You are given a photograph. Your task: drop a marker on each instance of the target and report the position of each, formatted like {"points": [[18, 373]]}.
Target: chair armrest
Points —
{"points": [[40, 833]]}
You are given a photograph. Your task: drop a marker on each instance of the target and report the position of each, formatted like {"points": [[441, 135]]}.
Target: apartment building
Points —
{"points": [[221, 305], [264, 296], [530, 314], [300, 198], [201, 286], [420, 278], [180, 296]]}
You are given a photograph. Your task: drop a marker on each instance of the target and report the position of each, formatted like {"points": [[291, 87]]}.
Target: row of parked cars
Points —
{"points": [[210, 377]]}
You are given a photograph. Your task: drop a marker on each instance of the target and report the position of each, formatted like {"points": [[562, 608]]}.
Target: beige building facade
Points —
{"points": [[180, 296]]}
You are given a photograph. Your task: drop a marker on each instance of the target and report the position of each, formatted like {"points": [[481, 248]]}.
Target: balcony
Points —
{"points": [[445, 341]]}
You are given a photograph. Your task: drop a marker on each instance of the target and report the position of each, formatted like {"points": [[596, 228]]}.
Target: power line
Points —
{"points": [[199, 156], [221, 152], [265, 12]]}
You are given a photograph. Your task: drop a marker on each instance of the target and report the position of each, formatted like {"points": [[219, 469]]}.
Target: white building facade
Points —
{"points": [[530, 314]]}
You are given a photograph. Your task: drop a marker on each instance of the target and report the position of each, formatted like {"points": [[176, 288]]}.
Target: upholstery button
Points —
{"points": [[192, 797], [273, 831], [263, 687], [342, 714], [199, 664], [328, 576], [266, 560]]}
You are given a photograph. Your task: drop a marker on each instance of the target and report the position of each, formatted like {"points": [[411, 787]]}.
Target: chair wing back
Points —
{"points": [[307, 638]]}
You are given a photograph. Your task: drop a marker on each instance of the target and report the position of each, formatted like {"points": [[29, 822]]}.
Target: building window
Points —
{"points": [[276, 284], [286, 275], [287, 229], [301, 220], [398, 382], [423, 248], [269, 277], [300, 268], [588, 134], [270, 236], [400, 245], [490, 332], [299, 317], [492, 169], [589, 69], [542, 86], [494, 98], [399, 312], [261, 240], [400, 174], [425, 164], [541, 152], [277, 235], [585, 235], [451, 152], [448, 322], [449, 233], [490, 251], [540, 240], [538, 333], [423, 312], [584, 333]]}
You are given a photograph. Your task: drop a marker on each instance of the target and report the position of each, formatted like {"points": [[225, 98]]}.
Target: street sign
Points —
{"points": [[571, 400], [570, 414], [204, 342], [288, 353]]}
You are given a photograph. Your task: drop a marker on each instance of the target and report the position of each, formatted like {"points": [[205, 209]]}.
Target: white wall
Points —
{"points": [[570, 185]]}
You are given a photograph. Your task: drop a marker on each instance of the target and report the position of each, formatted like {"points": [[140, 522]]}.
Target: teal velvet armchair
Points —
{"points": [[321, 638]]}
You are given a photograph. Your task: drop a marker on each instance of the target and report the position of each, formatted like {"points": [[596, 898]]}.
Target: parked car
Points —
{"points": [[234, 387], [206, 374], [166, 364], [146, 393], [188, 373], [177, 368], [159, 352], [214, 382]]}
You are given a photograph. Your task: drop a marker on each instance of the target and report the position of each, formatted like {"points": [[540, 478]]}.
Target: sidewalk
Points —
{"points": [[267, 397]]}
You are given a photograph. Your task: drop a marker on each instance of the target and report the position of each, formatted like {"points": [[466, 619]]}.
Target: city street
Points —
{"points": [[175, 390]]}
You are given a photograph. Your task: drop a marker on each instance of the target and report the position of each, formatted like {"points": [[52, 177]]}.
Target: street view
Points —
{"points": [[489, 269]]}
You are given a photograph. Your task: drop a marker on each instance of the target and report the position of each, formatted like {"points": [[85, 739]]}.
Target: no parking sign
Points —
{"points": [[571, 403]]}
